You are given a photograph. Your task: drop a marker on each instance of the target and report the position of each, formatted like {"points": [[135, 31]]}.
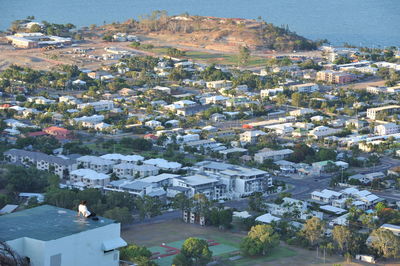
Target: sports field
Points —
{"points": [[173, 233]]}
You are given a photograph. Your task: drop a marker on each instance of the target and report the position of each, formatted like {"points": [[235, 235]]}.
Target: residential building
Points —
{"points": [[387, 129], [274, 155], [102, 105], [322, 131], [52, 236], [219, 84], [209, 186], [372, 113], [335, 77], [119, 158], [270, 92], [192, 110], [88, 178], [58, 165], [326, 195], [305, 88], [97, 164], [302, 111], [128, 170], [152, 124], [163, 164], [251, 136], [240, 181]]}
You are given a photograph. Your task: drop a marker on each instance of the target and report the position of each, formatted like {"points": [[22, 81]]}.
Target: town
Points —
{"points": [[254, 157]]}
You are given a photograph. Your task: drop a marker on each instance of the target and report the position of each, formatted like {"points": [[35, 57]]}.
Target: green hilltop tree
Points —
{"points": [[244, 55], [313, 229], [386, 243], [194, 252], [260, 240]]}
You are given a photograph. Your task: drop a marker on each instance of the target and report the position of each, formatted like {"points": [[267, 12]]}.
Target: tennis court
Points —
{"points": [[165, 252]]}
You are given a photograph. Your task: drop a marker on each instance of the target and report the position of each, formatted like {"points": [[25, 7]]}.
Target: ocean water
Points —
{"points": [[374, 23]]}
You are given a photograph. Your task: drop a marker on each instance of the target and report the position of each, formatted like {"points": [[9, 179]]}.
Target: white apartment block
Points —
{"points": [[102, 105], [373, 112], [387, 129], [128, 170], [306, 88], [277, 155], [59, 166], [239, 181], [88, 178], [270, 92], [219, 84], [97, 164], [251, 136]]}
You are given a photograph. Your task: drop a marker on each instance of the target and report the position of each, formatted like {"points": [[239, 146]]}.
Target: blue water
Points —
{"points": [[365, 22]]}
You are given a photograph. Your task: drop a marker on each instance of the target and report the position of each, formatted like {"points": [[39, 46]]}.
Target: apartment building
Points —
{"points": [[305, 88], [102, 105], [87, 178], [59, 166], [372, 113], [387, 129], [335, 77], [128, 170], [251, 136], [97, 164], [240, 181], [274, 155]]}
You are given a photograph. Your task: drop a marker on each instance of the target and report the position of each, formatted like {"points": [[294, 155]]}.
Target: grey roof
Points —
{"points": [[178, 188], [46, 223], [39, 156], [136, 185]]}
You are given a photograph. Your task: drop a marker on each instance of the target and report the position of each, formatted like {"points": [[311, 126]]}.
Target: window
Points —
{"points": [[55, 260]]}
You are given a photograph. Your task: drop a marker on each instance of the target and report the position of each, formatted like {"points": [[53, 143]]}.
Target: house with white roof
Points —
{"points": [[218, 84], [322, 131], [88, 121], [251, 136], [217, 99], [152, 124], [302, 111], [267, 218], [325, 195]]}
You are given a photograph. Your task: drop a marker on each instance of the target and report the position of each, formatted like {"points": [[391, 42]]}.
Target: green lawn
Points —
{"points": [[213, 58], [276, 254]]}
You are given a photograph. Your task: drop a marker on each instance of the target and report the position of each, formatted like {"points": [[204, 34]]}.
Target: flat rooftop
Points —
{"points": [[46, 223]]}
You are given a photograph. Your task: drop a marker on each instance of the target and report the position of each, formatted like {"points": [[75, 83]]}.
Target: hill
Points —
{"points": [[223, 34]]}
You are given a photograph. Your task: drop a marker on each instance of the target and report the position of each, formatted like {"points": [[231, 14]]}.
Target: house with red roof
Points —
{"points": [[57, 132]]}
